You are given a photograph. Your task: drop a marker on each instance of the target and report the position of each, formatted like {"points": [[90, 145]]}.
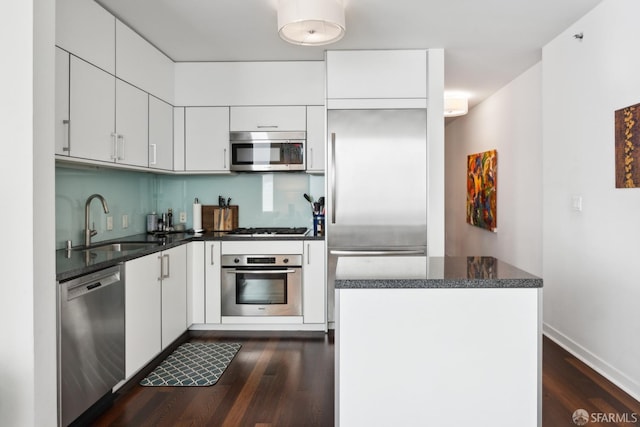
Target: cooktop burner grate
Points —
{"points": [[269, 231]]}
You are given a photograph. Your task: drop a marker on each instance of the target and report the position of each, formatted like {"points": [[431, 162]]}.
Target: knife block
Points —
{"points": [[215, 218]]}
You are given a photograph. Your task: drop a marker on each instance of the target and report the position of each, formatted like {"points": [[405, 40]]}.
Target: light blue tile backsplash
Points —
{"points": [[264, 199]]}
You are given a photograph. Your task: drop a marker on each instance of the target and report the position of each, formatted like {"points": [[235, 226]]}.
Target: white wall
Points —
{"points": [[591, 285], [509, 121], [27, 306]]}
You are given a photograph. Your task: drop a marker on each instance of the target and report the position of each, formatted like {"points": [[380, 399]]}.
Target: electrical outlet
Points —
{"points": [[125, 221], [109, 223], [183, 217]]}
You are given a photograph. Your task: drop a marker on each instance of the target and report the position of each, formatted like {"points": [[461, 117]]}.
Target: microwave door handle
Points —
{"points": [[260, 271]]}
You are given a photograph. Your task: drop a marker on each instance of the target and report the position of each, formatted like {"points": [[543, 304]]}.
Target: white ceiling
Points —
{"points": [[487, 42]]}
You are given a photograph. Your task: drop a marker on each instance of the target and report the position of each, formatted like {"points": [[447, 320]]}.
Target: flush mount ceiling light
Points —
{"points": [[311, 22], [455, 105]]}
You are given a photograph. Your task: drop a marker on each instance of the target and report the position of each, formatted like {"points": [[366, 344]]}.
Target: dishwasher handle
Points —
{"points": [[93, 282]]}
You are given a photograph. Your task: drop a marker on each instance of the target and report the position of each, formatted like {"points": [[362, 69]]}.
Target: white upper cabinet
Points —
{"points": [[87, 30], [291, 118], [207, 139], [108, 117], [249, 83], [62, 102], [160, 134], [376, 78], [142, 65], [132, 129], [92, 112], [178, 138], [315, 139]]}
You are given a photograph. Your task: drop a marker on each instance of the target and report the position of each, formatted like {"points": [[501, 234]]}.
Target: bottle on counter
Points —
{"points": [[169, 224]]}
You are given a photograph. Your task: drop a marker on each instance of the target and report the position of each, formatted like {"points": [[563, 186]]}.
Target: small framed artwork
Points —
{"points": [[482, 185], [627, 143]]}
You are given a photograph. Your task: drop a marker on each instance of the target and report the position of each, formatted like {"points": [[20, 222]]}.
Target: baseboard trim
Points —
{"points": [[628, 385]]}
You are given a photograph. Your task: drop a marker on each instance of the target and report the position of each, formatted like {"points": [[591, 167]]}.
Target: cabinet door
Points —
{"points": [[178, 138], [195, 283], [87, 30], [268, 118], [315, 139], [132, 118], [92, 112], [390, 74], [62, 102], [313, 282], [174, 293], [207, 139], [213, 299], [142, 64], [142, 312], [160, 134]]}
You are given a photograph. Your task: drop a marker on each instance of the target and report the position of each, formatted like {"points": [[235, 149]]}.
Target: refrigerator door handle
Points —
{"points": [[333, 178], [378, 253]]}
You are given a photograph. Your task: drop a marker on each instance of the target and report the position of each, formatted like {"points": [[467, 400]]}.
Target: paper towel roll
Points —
{"points": [[197, 217]]}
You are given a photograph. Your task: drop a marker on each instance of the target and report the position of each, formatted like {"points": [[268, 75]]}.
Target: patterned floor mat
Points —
{"points": [[193, 364]]}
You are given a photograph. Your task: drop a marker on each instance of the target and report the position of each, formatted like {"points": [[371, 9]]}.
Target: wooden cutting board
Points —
{"points": [[215, 218]]}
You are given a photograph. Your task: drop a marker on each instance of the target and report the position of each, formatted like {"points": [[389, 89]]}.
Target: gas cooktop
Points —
{"points": [[269, 231]]}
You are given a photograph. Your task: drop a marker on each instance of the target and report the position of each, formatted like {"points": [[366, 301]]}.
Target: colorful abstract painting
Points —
{"points": [[482, 184], [627, 147]]}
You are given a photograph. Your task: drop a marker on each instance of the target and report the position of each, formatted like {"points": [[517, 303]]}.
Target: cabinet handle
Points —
{"points": [[310, 158], [161, 268], [308, 253], [121, 138], [168, 266], [212, 260], [114, 146], [267, 126], [155, 154], [67, 138], [224, 159]]}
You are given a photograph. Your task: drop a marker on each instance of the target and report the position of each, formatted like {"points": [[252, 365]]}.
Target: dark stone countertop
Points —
{"points": [[78, 262], [430, 272]]}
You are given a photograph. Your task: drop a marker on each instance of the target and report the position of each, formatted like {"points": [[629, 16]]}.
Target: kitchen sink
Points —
{"points": [[121, 246]]}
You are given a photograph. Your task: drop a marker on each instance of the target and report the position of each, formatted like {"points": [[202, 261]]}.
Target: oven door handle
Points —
{"points": [[260, 271]]}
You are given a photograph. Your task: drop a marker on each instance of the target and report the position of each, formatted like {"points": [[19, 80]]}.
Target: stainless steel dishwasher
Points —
{"points": [[90, 340]]}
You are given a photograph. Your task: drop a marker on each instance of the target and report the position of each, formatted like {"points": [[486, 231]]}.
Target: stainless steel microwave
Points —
{"points": [[267, 151]]}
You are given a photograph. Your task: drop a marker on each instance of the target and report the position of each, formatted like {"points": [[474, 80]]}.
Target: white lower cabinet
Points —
{"points": [[313, 282], [143, 317], [212, 294], [174, 293], [155, 305]]}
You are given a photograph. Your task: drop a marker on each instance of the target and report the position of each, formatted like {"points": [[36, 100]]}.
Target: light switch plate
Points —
{"points": [[183, 217], [109, 223], [125, 221]]}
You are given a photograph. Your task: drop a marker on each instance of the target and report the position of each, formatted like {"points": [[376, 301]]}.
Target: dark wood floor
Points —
{"points": [[568, 385], [286, 379]]}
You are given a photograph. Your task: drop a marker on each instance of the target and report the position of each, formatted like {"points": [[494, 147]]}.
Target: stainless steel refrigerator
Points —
{"points": [[377, 186]]}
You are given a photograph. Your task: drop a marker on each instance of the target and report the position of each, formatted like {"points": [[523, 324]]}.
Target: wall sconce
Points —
{"points": [[311, 22], [455, 105]]}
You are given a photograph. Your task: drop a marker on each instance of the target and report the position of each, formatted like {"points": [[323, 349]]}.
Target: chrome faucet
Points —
{"points": [[88, 233]]}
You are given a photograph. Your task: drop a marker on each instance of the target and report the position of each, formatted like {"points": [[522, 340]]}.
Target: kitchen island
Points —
{"points": [[442, 341]]}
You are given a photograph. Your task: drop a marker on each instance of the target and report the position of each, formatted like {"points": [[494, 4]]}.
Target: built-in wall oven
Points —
{"points": [[261, 285]]}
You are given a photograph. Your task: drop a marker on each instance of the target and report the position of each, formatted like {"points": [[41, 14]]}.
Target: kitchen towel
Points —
{"points": [[197, 216]]}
